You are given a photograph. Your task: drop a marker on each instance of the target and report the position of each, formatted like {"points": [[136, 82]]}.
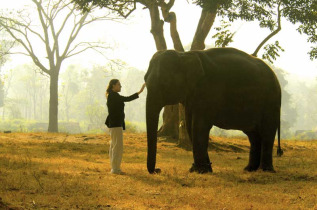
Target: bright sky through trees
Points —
{"points": [[133, 42]]}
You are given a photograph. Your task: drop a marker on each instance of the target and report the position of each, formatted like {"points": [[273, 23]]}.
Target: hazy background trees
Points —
{"points": [[82, 99], [268, 14], [46, 32], [81, 88]]}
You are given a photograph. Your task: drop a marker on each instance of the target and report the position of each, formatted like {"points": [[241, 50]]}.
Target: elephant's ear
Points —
{"points": [[192, 67], [152, 61]]}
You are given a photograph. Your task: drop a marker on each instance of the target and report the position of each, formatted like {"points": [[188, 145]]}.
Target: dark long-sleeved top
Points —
{"points": [[115, 104]]}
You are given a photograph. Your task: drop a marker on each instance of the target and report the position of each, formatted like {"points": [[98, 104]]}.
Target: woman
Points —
{"points": [[115, 122]]}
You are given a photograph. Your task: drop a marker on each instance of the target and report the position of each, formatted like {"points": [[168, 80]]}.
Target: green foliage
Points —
{"points": [[130, 127], [267, 12], [313, 53], [310, 30], [96, 113], [289, 114], [123, 7], [224, 36], [301, 12], [212, 4], [305, 96], [16, 125], [1, 93], [23, 125], [271, 51], [131, 82], [96, 131], [5, 47]]}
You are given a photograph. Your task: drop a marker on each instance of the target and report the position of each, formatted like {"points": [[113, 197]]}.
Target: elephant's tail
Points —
{"points": [[279, 149]]}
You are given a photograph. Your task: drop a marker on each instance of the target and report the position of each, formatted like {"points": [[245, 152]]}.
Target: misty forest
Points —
{"points": [[56, 60]]}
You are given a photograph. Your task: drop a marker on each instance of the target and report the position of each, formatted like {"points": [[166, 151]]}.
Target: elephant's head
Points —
{"points": [[171, 76]]}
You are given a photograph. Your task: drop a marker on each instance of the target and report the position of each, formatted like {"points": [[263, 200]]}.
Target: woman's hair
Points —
{"points": [[110, 86]]}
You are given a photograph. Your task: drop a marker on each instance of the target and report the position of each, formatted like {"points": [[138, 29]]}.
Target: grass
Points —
{"points": [[47, 171]]}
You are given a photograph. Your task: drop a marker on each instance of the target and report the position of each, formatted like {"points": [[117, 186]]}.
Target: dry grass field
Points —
{"points": [[60, 171]]}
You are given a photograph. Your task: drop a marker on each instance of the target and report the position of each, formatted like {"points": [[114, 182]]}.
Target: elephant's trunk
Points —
{"points": [[152, 118]]}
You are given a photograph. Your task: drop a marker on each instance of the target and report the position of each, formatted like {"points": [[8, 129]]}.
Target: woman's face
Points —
{"points": [[116, 87]]}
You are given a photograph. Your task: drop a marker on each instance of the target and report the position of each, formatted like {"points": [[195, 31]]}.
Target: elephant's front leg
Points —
{"points": [[200, 137]]}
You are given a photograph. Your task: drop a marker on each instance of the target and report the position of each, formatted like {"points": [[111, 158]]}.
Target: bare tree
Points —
{"points": [[43, 29]]}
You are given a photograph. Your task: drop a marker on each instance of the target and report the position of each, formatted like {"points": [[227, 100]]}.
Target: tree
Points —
{"points": [[53, 21], [267, 12], [26, 89], [70, 87], [1, 93], [5, 46], [6, 84], [288, 111]]}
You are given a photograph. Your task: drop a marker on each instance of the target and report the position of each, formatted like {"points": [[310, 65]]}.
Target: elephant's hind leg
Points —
{"points": [[255, 151], [267, 149], [267, 132]]}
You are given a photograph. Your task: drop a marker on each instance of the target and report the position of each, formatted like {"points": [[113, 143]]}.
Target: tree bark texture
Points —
{"points": [[170, 122], [178, 118], [174, 116], [206, 20], [170, 125], [53, 103], [170, 113], [157, 26]]}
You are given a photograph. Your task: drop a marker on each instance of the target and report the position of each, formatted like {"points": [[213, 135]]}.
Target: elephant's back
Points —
{"points": [[237, 68], [237, 84]]}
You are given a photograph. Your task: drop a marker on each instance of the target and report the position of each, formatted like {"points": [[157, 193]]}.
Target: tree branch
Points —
{"points": [[156, 25], [170, 17], [27, 26], [40, 11], [29, 50], [65, 20], [279, 27], [90, 46], [206, 20], [74, 33]]}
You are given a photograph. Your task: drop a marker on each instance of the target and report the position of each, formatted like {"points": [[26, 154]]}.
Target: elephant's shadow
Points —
{"points": [[212, 145], [227, 147], [265, 178], [256, 178]]}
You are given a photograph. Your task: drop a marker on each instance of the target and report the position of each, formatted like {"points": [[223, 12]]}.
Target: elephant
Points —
{"points": [[222, 87]]}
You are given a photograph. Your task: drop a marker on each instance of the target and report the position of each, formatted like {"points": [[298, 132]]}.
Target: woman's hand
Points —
{"points": [[142, 88]]}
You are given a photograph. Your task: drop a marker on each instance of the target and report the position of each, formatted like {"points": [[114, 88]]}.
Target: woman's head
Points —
{"points": [[113, 86]]}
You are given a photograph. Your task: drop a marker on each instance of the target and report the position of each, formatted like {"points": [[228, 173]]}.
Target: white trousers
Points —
{"points": [[116, 149]]}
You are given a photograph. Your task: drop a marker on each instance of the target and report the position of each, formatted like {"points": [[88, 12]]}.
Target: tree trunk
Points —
{"points": [[157, 27], [34, 105], [67, 111], [170, 125], [183, 139], [170, 113], [206, 20], [170, 122], [53, 103], [41, 107]]}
